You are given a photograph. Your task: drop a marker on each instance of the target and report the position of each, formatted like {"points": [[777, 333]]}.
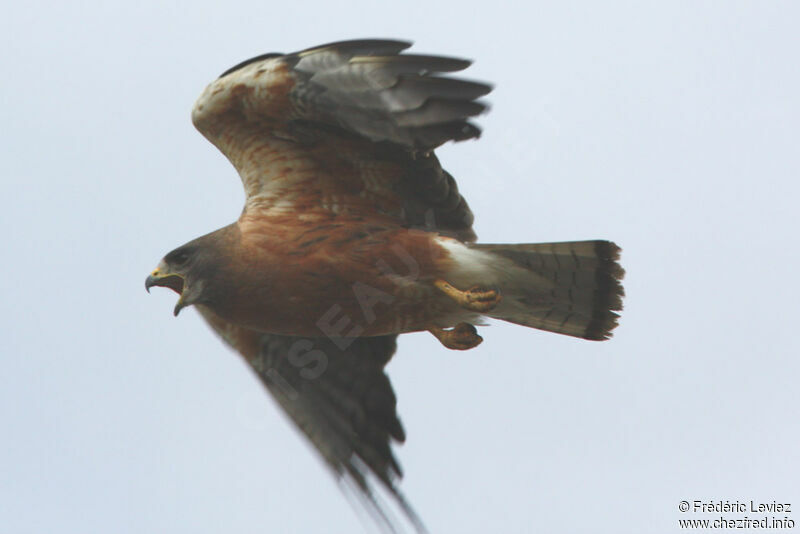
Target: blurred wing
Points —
{"points": [[348, 126], [337, 393]]}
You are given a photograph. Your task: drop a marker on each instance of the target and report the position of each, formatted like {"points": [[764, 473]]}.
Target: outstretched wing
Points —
{"points": [[365, 86], [347, 127], [337, 393]]}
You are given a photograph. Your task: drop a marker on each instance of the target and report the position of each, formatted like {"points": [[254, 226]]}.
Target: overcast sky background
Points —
{"points": [[670, 128]]}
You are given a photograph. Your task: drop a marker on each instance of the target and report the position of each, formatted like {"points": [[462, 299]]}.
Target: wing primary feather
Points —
{"points": [[411, 93], [360, 47], [414, 63], [332, 55]]}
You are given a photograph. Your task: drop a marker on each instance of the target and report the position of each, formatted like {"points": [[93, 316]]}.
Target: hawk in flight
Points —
{"points": [[353, 233]]}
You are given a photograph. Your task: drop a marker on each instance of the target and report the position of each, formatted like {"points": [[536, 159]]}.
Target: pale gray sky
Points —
{"points": [[668, 127]]}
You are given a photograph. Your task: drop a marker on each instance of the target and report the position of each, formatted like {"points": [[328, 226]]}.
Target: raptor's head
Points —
{"points": [[189, 271]]}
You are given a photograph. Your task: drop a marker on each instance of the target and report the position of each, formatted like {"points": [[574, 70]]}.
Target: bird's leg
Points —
{"points": [[463, 336], [478, 299]]}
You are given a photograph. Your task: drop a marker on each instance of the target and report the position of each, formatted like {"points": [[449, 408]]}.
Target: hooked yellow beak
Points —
{"points": [[162, 278]]}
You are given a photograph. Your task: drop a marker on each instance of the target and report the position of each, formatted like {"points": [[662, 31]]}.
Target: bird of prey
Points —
{"points": [[353, 233]]}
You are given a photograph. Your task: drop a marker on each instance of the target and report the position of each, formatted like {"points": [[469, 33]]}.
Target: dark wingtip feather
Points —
{"points": [[363, 47], [422, 64], [608, 294], [247, 62]]}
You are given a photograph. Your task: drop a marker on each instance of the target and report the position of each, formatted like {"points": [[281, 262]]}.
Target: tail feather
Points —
{"points": [[571, 288]]}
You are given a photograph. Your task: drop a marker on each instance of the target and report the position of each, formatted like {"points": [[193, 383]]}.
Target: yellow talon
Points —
{"points": [[476, 298]]}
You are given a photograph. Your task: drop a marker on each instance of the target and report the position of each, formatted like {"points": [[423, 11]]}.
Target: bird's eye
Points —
{"points": [[179, 259]]}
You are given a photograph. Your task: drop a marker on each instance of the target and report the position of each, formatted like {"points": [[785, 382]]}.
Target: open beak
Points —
{"points": [[173, 281], [162, 279]]}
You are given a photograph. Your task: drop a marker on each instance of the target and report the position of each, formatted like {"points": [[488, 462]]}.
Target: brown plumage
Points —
{"points": [[353, 233]]}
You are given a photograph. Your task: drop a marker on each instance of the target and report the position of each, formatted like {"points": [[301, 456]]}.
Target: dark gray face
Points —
{"points": [[185, 270], [195, 270]]}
